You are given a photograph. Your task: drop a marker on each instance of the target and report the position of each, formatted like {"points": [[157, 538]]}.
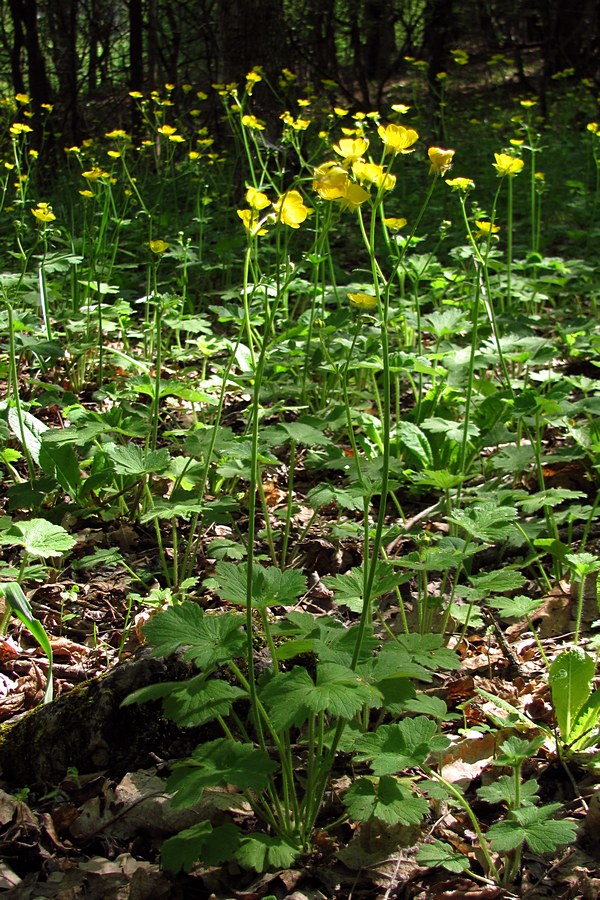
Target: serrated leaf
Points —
{"points": [[133, 460], [585, 725], [439, 853], [209, 639], [403, 745], [384, 799], [262, 852], [270, 587], [31, 432], [212, 845], [533, 825], [217, 764], [39, 537], [349, 587], [59, 460], [284, 697], [570, 678], [200, 701], [497, 582], [503, 791], [515, 607], [487, 521], [412, 439]]}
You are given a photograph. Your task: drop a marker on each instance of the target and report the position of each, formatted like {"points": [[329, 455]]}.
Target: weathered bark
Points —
{"points": [[87, 729]]}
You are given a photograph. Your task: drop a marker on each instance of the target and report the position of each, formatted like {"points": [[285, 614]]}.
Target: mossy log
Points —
{"points": [[88, 730]]}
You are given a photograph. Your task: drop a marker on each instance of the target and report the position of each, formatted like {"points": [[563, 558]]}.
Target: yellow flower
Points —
{"points": [[394, 223], [114, 154], [176, 138], [290, 209], [169, 87], [193, 154], [593, 127], [340, 111], [201, 95], [397, 138], [527, 104], [136, 95], [256, 199], [94, 174], [441, 160], [87, 194], [460, 184], [117, 133], [330, 181], [43, 213], [507, 165], [362, 301], [539, 176], [303, 102], [486, 228], [460, 57], [158, 246], [250, 221], [22, 98], [374, 174], [517, 142], [166, 130], [19, 128], [47, 106], [351, 149], [400, 108], [253, 122], [353, 196]]}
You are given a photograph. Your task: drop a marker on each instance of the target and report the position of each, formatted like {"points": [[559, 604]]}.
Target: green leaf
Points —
{"points": [[515, 750], [270, 587], [533, 825], [439, 853], [349, 587], [190, 703], [217, 764], [497, 582], [515, 607], [262, 852], [209, 639], [31, 433], [585, 726], [212, 845], [386, 799], [503, 791], [18, 602], [59, 460], [487, 521], [136, 461], [570, 678], [39, 537], [284, 697], [403, 745], [413, 441]]}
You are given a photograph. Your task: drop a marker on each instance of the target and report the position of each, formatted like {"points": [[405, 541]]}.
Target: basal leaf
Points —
{"points": [[386, 799], [262, 852], [212, 845], [399, 746], [59, 460], [412, 440], [439, 853], [570, 678], [503, 791], [217, 764], [39, 537], [133, 460], [209, 639], [487, 521], [270, 587], [284, 696], [533, 825]]}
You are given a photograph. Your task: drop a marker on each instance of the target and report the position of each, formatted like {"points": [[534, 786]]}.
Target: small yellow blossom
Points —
{"points": [[251, 221], [507, 165], [351, 149], [72, 150], [19, 128], [193, 155], [158, 246], [47, 106], [169, 87], [486, 228], [303, 102], [517, 142], [201, 95], [166, 130], [393, 223], [43, 213], [136, 95], [362, 301], [330, 181], [374, 174], [354, 195], [401, 108], [24, 99], [33, 154], [87, 194], [593, 127], [114, 154], [397, 138], [460, 57], [256, 199], [253, 122], [116, 134], [527, 104], [290, 209], [176, 138], [340, 111], [94, 174], [460, 184], [441, 160]]}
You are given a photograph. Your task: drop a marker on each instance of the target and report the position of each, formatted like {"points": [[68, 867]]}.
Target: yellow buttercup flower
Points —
{"points": [[19, 128], [507, 165], [362, 301], [353, 196], [43, 213], [460, 184], [136, 95], [253, 122], [158, 246], [527, 104], [340, 111], [352, 148], [166, 130], [393, 223], [400, 108], [486, 228], [114, 154], [256, 199], [290, 209], [87, 194], [594, 127], [330, 181], [22, 98], [375, 174], [441, 160], [251, 221], [397, 138], [116, 134]]}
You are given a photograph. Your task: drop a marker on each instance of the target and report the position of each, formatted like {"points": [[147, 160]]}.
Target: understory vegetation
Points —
{"points": [[323, 409]]}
